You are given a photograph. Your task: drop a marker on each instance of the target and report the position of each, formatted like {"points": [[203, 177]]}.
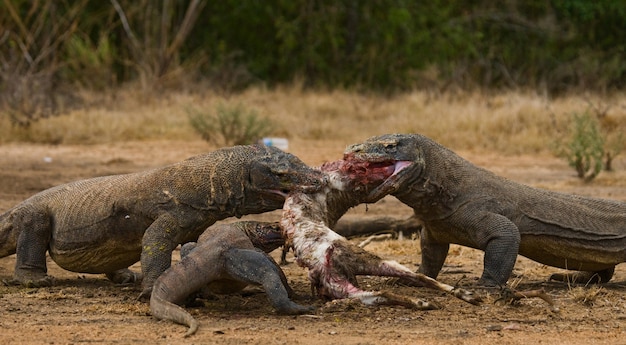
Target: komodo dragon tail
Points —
{"points": [[8, 235], [166, 310]]}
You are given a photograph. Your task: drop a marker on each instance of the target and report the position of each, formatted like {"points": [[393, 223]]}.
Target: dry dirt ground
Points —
{"points": [[84, 308]]}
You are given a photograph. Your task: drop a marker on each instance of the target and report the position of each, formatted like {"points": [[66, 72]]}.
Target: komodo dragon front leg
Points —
{"points": [[495, 234], [226, 258]]}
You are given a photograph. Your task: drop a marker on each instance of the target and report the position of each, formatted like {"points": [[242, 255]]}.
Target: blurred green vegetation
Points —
{"points": [[50, 47], [584, 149]]}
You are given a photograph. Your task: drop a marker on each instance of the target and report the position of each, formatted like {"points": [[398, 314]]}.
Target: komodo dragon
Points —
{"points": [[105, 224], [461, 203], [227, 258]]}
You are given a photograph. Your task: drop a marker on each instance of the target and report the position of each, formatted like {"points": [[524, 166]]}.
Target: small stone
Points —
{"points": [[494, 328]]}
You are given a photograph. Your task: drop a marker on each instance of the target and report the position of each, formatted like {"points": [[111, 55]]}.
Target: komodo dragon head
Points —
{"points": [[275, 173], [266, 236], [399, 152]]}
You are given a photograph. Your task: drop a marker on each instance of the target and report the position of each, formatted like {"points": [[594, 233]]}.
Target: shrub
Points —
{"points": [[614, 141], [229, 125], [584, 148]]}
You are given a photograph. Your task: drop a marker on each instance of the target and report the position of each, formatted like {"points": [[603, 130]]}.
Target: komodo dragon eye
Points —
{"points": [[390, 146], [284, 179], [388, 143]]}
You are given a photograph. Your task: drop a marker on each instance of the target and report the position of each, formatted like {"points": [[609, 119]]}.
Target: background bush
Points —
{"points": [[584, 146], [229, 125]]}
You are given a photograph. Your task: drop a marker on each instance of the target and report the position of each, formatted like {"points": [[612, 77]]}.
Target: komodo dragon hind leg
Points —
{"points": [[32, 245], [584, 277], [256, 267]]}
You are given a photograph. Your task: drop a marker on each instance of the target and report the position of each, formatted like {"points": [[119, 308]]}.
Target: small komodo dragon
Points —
{"points": [[226, 258], [105, 224], [461, 203]]}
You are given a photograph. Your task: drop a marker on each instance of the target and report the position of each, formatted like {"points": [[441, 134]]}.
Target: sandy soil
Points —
{"points": [[84, 308]]}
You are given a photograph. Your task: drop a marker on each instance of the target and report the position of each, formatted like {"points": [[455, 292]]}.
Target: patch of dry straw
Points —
{"points": [[511, 122]]}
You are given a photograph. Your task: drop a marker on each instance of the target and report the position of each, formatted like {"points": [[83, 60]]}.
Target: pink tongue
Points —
{"points": [[400, 165]]}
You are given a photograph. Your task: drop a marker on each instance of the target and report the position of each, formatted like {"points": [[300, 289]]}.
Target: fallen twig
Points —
{"points": [[380, 237], [511, 296]]}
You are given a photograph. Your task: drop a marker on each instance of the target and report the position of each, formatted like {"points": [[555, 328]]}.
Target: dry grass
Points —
{"points": [[395, 247], [509, 122], [133, 308], [587, 295]]}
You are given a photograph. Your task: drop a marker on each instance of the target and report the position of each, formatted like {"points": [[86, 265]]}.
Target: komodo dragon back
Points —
{"points": [[596, 219]]}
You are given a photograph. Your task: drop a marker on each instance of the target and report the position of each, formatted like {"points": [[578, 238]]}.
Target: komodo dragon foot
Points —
{"points": [[124, 276], [30, 279], [584, 277]]}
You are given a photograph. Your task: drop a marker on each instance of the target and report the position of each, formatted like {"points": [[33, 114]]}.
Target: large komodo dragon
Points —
{"points": [[226, 258], [105, 224], [461, 203]]}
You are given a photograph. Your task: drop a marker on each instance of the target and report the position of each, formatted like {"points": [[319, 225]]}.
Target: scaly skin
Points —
{"points": [[226, 258], [105, 224], [461, 203]]}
